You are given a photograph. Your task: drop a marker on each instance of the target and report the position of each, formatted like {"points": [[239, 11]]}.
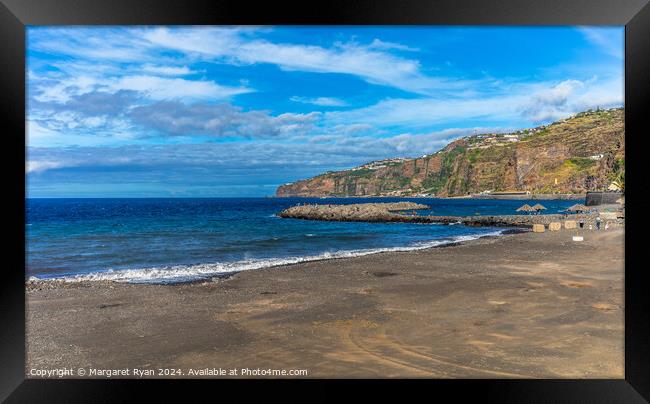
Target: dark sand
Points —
{"points": [[525, 305]]}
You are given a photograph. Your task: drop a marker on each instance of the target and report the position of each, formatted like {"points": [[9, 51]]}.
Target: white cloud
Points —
{"points": [[109, 59], [422, 112], [213, 41], [379, 44], [571, 96], [61, 130], [154, 87], [608, 39], [220, 120], [373, 66], [64, 89], [237, 161], [154, 63], [168, 70], [560, 93], [159, 88], [36, 133], [371, 63], [354, 128], [98, 43], [40, 166], [320, 101], [524, 103], [150, 49]]}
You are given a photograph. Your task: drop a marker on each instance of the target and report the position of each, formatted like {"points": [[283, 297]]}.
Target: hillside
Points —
{"points": [[581, 153]]}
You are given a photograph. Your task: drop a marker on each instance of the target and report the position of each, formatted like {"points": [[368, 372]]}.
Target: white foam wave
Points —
{"points": [[187, 273]]}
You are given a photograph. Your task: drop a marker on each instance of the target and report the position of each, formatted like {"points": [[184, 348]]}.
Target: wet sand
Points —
{"points": [[516, 306]]}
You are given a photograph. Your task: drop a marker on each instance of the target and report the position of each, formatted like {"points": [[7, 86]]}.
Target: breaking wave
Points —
{"points": [[197, 272]]}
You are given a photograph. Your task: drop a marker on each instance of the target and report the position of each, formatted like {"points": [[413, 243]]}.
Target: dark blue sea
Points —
{"points": [[181, 240]]}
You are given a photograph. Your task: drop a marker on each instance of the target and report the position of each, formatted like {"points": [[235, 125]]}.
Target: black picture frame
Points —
{"points": [[15, 15]]}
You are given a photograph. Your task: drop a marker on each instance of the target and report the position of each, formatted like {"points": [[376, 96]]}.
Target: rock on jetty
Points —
{"points": [[506, 220], [403, 212], [358, 212]]}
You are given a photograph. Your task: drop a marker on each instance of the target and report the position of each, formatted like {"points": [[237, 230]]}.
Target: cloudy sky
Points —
{"points": [[237, 111]]}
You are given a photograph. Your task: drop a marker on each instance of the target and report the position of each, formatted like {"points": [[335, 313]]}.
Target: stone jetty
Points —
{"points": [[405, 212], [358, 212]]}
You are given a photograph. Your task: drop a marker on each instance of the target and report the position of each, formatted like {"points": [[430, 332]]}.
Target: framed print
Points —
{"points": [[343, 190]]}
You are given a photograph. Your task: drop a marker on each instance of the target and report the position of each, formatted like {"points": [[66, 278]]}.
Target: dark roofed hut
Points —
{"points": [[526, 208], [578, 208]]}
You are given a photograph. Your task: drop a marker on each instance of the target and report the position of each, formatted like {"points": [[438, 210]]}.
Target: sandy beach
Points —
{"points": [[516, 306]]}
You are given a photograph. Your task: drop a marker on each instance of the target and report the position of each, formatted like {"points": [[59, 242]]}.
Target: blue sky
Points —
{"points": [[237, 111]]}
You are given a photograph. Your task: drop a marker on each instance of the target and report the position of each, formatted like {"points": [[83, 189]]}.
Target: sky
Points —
{"points": [[237, 111]]}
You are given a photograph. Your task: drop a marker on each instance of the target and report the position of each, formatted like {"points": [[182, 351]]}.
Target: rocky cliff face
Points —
{"points": [[582, 153]]}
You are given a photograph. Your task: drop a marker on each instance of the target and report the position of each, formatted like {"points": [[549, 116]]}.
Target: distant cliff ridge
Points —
{"points": [[583, 153]]}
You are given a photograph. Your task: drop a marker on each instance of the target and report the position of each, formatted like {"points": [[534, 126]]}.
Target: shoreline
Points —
{"points": [[53, 282], [521, 305]]}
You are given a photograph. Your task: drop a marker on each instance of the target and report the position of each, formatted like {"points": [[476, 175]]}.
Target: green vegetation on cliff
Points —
{"points": [[577, 154]]}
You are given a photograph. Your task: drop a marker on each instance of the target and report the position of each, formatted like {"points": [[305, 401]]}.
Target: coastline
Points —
{"points": [[96, 278], [524, 305]]}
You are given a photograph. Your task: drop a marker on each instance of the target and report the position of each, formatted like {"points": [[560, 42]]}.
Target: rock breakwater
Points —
{"points": [[405, 212]]}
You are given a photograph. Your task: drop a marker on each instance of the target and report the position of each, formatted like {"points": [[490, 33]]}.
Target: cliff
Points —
{"points": [[583, 153]]}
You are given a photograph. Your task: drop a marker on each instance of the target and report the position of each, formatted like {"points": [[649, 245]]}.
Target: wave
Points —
{"points": [[197, 272]]}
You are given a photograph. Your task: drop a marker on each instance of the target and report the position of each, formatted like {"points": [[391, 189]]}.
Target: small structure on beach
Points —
{"points": [[526, 208], [578, 208]]}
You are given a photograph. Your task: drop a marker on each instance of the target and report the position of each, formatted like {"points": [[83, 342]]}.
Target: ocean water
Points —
{"points": [[180, 240]]}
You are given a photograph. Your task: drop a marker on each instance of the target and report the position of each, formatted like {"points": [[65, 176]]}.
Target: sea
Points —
{"points": [[173, 240]]}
